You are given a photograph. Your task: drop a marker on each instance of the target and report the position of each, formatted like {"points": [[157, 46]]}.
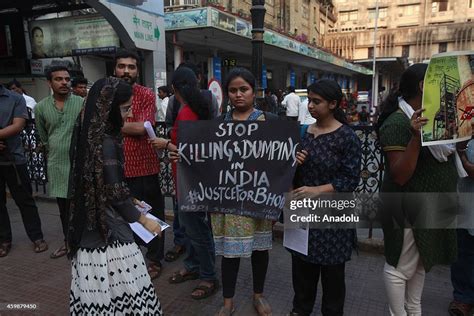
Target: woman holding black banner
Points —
{"points": [[238, 236], [332, 165]]}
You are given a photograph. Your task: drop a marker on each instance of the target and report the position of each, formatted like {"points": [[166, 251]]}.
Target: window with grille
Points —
{"points": [[344, 16], [382, 13], [353, 16], [439, 6], [443, 47], [405, 50], [410, 10]]}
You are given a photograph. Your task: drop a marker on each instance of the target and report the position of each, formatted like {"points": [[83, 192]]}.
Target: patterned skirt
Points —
{"points": [[112, 280], [237, 236]]}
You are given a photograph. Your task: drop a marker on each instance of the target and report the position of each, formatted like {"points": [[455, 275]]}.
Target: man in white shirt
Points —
{"points": [[304, 117], [292, 104], [15, 86], [163, 94]]}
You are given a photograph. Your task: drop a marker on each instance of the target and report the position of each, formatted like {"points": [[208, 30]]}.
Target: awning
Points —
{"points": [[386, 64], [208, 28]]}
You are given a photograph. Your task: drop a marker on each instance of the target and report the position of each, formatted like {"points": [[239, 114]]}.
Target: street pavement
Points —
{"points": [[30, 278]]}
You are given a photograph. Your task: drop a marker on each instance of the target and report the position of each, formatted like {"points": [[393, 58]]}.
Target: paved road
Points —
{"points": [[26, 277]]}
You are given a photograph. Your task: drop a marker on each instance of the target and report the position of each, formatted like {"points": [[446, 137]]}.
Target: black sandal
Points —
{"points": [[58, 253], [154, 270], [206, 290], [5, 248], [177, 277], [40, 245], [459, 309], [173, 254]]}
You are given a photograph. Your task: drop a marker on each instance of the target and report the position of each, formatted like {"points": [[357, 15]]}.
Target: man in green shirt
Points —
{"points": [[55, 117]]}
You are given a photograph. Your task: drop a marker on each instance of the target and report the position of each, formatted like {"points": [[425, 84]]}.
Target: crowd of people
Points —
{"points": [[101, 164]]}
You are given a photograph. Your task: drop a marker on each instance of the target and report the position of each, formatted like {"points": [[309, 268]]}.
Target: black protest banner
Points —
{"points": [[240, 168]]}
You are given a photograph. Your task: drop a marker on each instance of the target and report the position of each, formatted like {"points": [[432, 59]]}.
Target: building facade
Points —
{"points": [[216, 36], [412, 29], [306, 20]]}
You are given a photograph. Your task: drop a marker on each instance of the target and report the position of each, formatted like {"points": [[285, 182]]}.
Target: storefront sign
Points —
{"points": [[145, 30], [244, 28], [292, 78], [36, 67], [150, 6], [241, 168], [144, 22], [59, 37], [223, 21], [200, 18], [186, 19], [95, 51], [264, 76], [216, 67]]}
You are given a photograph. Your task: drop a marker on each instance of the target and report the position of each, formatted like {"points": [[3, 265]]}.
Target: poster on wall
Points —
{"points": [[448, 98], [60, 37]]}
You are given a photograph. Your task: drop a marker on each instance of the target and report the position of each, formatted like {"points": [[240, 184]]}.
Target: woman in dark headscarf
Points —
{"points": [[109, 275]]}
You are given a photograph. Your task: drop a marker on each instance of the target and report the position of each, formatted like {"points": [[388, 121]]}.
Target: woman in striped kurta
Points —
{"points": [[55, 125]]}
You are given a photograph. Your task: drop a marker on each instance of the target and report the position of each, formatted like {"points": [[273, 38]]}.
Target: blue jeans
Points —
{"points": [[200, 253], [178, 230], [462, 271]]}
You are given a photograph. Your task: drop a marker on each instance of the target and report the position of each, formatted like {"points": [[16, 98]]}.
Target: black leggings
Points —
{"points": [[230, 269]]}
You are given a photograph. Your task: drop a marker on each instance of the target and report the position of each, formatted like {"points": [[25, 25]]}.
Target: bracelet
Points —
{"points": [[166, 147]]}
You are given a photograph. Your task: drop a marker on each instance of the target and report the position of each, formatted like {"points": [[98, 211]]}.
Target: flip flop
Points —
{"points": [[58, 253], [173, 255], [224, 311], [177, 277], [206, 290], [459, 309], [40, 245], [262, 306], [154, 270]]}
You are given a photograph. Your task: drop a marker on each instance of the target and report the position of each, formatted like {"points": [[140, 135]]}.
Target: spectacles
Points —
{"points": [[125, 109]]}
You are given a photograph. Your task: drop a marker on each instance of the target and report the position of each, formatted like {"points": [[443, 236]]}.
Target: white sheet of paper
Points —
{"points": [[143, 233], [145, 209], [297, 239]]}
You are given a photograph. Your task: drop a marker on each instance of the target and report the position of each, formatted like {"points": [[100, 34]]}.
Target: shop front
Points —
{"points": [[83, 36]]}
